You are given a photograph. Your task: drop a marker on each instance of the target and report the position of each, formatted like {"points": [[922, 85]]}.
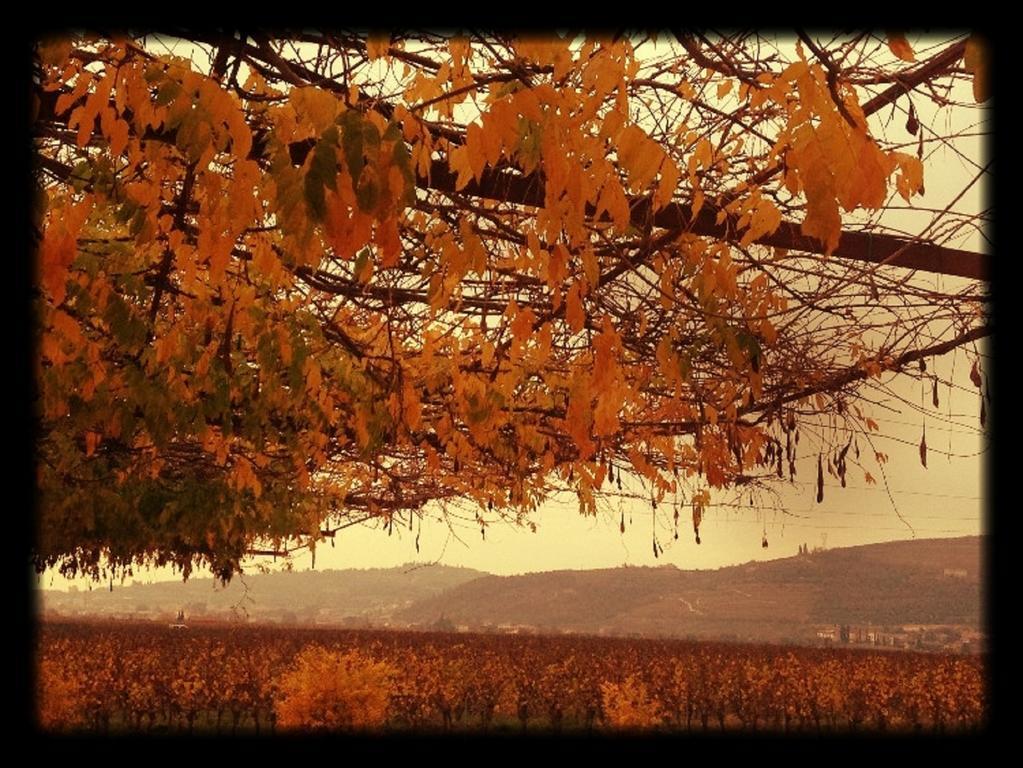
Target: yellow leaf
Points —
{"points": [[667, 185], [605, 412], [116, 131], [557, 265], [701, 156], [522, 325], [613, 201], [639, 155], [459, 162], [591, 267], [318, 105], [475, 149], [911, 175], [313, 378], [764, 221]]}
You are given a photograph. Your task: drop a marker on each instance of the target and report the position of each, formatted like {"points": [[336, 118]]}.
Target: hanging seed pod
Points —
{"points": [[618, 480], [610, 473], [912, 124], [934, 392], [763, 543], [779, 468], [655, 547], [417, 543], [983, 413], [820, 479], [621, 526], [797, 437], [923, 447], [790, 421], [923, 365]]}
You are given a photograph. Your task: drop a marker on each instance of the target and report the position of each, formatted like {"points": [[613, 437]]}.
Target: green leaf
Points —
{"points": [[322, 173], [368, 193], [352, 143]]}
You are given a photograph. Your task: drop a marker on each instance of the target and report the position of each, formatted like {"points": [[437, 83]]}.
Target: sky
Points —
{"points": [[943, 500]]}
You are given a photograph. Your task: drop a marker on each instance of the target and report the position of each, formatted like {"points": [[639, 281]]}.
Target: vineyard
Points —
{"points": [[101, 678]]}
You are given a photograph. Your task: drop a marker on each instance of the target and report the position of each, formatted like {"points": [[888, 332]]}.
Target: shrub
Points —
{"points": [[628, 704], [331, 690]]}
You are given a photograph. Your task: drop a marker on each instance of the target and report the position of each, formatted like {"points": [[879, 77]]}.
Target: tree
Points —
{"points": [[287, 285]]}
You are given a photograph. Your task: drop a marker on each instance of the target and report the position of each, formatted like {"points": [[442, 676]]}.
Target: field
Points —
{"points": [[234, 679]]}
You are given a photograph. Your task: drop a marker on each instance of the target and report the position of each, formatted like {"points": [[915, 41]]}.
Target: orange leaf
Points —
{"points": [[574, 312], [377, 44], [900, 47], [977, 61]]}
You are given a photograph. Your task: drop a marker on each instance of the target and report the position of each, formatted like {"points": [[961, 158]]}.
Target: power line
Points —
{"points": [[893, 490], [814, 513], [710, 520]]}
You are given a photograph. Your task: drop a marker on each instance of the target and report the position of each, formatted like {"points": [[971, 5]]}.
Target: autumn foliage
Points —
{"points": [[59, 703], [225, 679], [284, 285], [628, 705], [327, 690]]}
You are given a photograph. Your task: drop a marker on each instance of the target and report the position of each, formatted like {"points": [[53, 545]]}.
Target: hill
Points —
{"points": [[329, 596], [916, 582]]}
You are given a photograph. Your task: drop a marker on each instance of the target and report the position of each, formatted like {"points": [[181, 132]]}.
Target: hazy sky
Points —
{"points": [[943, 500]]}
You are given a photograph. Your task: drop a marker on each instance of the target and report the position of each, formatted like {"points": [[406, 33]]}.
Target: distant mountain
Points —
{"points": [[919, 582], [334, 596], [927, 582]]}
